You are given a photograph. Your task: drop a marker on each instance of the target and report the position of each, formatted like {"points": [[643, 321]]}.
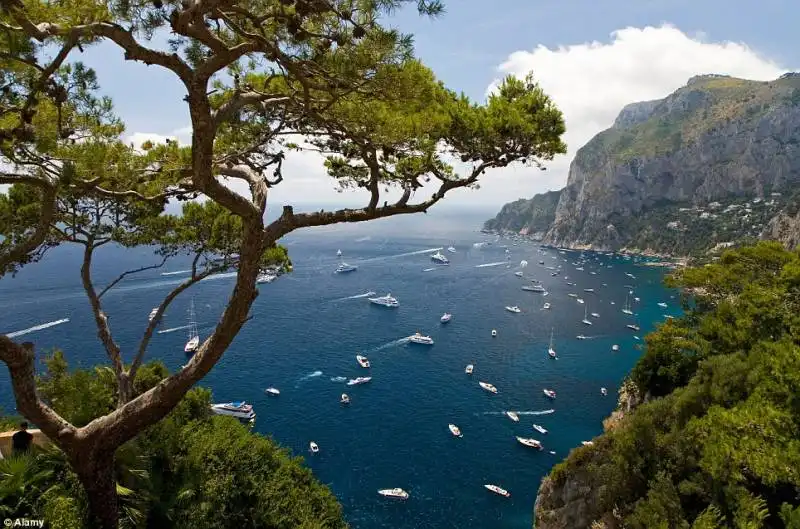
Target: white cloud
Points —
{"points": [[592, 81]]}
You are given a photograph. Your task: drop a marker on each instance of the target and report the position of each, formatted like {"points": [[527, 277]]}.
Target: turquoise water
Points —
{"points": [[309, 325]]}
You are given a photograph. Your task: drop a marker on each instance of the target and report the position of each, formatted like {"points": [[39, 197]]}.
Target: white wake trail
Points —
{"points": [[487, 265], [176, 272], [39, 327], [407, 254], [173, 329]]}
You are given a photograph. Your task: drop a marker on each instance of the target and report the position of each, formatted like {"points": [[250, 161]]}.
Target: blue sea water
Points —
{"points": [[308, 326]]}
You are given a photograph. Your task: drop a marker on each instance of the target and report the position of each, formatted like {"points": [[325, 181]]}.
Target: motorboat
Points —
{"points": [[385, 301], [488, 387], [632, 327], [518, 274], [439, 258], [498, 490], [468, 369], [549, 393], [314, 447], [527, 441], [585, 319], [636, 337], [546, 306], [662, 305], [550, 350], [572, 295], [420, 339], [265, 277], [514, 309], [394, 493], [239, 410], [152, 314], [358, 380], [455, 430], [343, 268], [588, 290], [581, 337], [637, 300], [494, 333], [194, 337], [533, 288], [446, 317], [339, 253], [539, 429], [345, 399], [615, 347], [272, 391], [579, 300], [603, 391], [595, 315], [451, 249], [362, 361], [513, 416]]}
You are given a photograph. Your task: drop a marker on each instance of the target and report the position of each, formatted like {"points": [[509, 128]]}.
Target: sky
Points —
{"points": [[592, 58]]}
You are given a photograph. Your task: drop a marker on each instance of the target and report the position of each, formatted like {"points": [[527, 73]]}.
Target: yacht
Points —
{"points": [[498, 490], [518, 274], [345, 399], [272, 391], [420, 339], [385, 301], [595, 315], [451, 249], [194, 337], [627, 309], [494, 333], [362, 361], [394, 493], [513, 416], [240, 410], [514, 309], [603, 391], [446, 317], [546, 306], [344, 268], [615, 347], [439, 258], [581, 337], [534, 288], [152, 314], [539, 429], [585, 319], [632, 327], [339, 253], [358, 380], [549, 393], [533, 443], [468, 369], [454, 430], [488, 387], [314, 447], [550, 350], [265, 277], [662, 305]]}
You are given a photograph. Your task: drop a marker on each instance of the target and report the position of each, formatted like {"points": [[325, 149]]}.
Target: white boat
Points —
{"points": [[549, 393], [662, 305], [314, 447], [240, 410], [550, 350], [533, 288], [345, 399], [539, 429], [627, 309], [385, 301], [572, 295], [615, 347], [152, 314], [579, 300], [632, 327], [272, 391], [339, 253], [527, 441], [265, 277], [587, 443], [513, 416], [358, 380], [439, 258], [494, 333], [488, 387], [394, 493], [585, 319], [455, 430], [451, 249], [446, 317], [514, 309], [194, 337], [603, 391], [518, 274], [588, 290], [468, 369], [595, 315], [362, 361], [546, 306], [498, 490], [637, 300], [420, 339], [343, 268], [581, 337]]}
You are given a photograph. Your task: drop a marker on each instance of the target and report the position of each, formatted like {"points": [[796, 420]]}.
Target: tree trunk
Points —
{"points": [[95, 469]]}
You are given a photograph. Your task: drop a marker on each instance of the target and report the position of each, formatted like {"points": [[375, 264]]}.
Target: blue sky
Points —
{"points": [[468, 46]]}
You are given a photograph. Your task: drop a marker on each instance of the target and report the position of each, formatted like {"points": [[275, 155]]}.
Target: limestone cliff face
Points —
{"points": [[535, 216], [784, 227], [714, 138]]}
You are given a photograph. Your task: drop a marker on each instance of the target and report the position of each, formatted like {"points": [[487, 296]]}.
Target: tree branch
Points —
{"points": [[123, 275], [20, 251]]}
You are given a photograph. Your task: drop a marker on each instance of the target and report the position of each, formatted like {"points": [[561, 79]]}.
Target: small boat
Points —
{"points": [[579, 300], [587, 443], [518, 274], [513, 416], [514, 309], [588, 290], [637, 300], [549, 393], [362, 361], [488, 387], [615, 347], [603, 391], [534, 288], [314, 447], [439, 258], [194, 337], [468, 369], [494, 333], [662, 305], [343, 268], [451, 249], [595, 315], [636, 337], [265, 277], [541, 262], [668, 317], [385, 301], [272, 391], [446, 317], [498, 490], [572, 295], [546, 306], [632, 327], [539, 429], [152, 314], [581, 337], [455, 430], [394, 493], [420, 339], [550, 350], [339, 253], [345, 399], [358, 380], [527, 441], [239, 410]]}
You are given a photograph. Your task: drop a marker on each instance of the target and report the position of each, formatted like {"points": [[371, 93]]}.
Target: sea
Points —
{"points": [[309, 325]]}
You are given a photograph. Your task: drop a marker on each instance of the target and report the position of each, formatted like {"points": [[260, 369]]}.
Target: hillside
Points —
{"points": [[533, 216]]}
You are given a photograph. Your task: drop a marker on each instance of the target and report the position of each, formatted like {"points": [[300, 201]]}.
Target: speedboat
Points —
{"points": [[637, 300], [595, 315], [451, 249], [385, 301], [454, 430], [603, 391], [239, 410], [272, 391], [579, 300], [394, 493], [265, 277], [498, 490], [534, 288], [468, 369], [439, 258], [514, 309], [572, 295], [550, 350], [488, 387], [588, 290], [339, 253], [314, 447], [362, 361], [662, 305], [344, 268], [632, 327], [420, 339], [527, 441], [518, 274], [581, 337], [345, 399], [446, 317], [358, 380], [615, 347], [152, 314], [513, 416], [494, 333], [539, 429], [546, 306], [549, 393]]}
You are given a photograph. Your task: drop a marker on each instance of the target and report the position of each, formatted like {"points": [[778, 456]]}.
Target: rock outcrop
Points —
{"points": [[533, 216]]}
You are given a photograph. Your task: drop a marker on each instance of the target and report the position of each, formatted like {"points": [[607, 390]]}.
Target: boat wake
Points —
{"points": [[363, 239], [39, 327], [173, 329], [389, 345], [357, 296], [175, 273], [315, 374], [429, 269], [338, 379], [537, 412], [487, 265], [407, 254]]}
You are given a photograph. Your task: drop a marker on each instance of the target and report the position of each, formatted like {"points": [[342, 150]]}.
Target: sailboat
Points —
{"points": [[194, 337], [585, 319], [550, 350], [627, 309]]}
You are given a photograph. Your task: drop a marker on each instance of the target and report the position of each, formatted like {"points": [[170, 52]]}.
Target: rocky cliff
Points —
{"points": [[534, 216]]}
